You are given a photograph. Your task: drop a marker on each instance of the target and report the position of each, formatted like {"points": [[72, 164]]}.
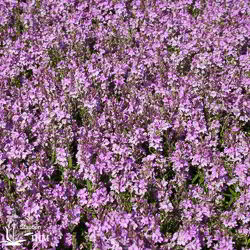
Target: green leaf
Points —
{"points": [[247, 73], [152, 150], [195, 178], [205, 189], [53, 160], [230, 202], [173, 49], [201, 181], [89, 185], [70, 162], [228, 195], [7, 179], [232, 192]]}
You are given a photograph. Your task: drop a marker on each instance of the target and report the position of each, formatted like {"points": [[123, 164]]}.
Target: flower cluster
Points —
{"points": [[125, 124]]}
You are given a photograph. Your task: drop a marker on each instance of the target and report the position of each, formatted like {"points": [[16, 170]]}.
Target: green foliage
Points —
{"points": [[170, 174], [230, 196], [19, 27], [50, 153], [105, 179], [247, 74], [152, 150], [178, 248], [16, 23], [28, 73], [57, 175], [54, 56], [170, 223], [90, 44], [173, 49], [125, 198], [53, 157], [9, 189], [167, 174], [81, 51], [231, 60], [168, 146], [30, 136], [194, 12], [184, 66], [93, 158], [7, 180], [95, 23], [1, 47], [61, 73], [197, 177], [80, 234], [2, 30], [246, 128], [247, 241], [241, 241], [145, 147], [38, 4], [150, 195], [228, 165], [206, 248], [81, 115], [17, 81], [170, 141], [89, 185], [73, 151], [126, 130], [114, 42], [224, 121], [80, 184], [71, 165]]}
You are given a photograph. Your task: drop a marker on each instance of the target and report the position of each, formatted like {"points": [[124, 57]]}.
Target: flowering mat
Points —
{"points": [[124, 124]]}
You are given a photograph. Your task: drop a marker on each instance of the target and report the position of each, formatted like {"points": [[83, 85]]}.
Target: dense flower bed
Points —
{"points": [[125, 124]]}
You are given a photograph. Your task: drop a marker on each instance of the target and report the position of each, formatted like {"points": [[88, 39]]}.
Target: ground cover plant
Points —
{"points": [[125, 124]]}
